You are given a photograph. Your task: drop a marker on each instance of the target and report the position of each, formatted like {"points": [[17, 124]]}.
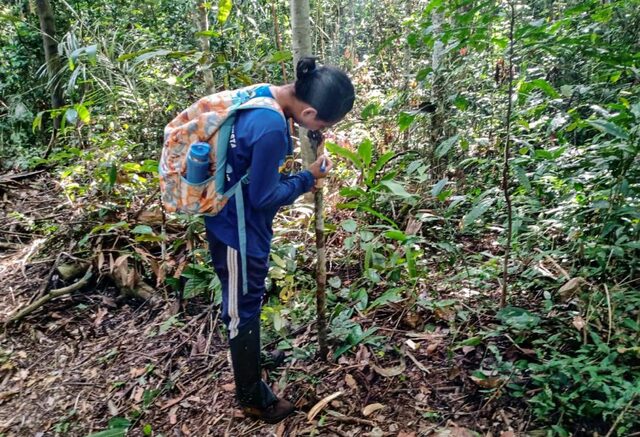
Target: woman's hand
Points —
{"points": [[321, 167]]}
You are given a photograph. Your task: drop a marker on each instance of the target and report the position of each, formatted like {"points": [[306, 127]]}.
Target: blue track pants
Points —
{"points": [[237, 308]]}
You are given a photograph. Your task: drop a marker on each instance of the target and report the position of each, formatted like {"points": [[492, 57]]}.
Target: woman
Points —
{"points": [[260, 144]]}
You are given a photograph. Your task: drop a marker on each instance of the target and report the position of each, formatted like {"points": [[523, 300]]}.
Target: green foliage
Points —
{"points": [[421, 212]]}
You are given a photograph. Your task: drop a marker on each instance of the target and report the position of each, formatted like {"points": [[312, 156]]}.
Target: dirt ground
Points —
{"points": [[92, 359]]}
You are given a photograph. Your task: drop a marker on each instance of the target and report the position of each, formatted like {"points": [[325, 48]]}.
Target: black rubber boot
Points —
{"points": [[253, 394]]}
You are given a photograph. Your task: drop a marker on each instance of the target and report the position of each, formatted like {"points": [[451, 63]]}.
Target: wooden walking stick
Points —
{"points": [[317, 144]]}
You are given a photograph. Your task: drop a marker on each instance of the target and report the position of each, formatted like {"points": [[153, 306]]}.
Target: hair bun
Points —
{"points": [[306, 66]]}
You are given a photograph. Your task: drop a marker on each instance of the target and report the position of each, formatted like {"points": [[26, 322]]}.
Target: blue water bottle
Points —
{"points": [[198, 163]]}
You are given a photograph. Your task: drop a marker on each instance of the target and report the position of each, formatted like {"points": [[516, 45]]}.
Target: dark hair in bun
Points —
{"points": [[327, 89]]}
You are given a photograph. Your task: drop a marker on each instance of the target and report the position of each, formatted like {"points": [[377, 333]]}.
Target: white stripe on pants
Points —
{"points": [[232, 266]]}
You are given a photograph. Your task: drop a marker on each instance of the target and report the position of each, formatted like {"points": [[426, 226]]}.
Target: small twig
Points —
{"points": [[214, 324], [51, 295], [32, 250], [348, 419], [10, 246], [606, 291], [45, 283], [144, 204], [497, 391], [555, 264], [14, 177], [621, 415]]}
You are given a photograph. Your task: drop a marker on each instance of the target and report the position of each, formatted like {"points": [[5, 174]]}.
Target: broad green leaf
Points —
{"points": [[37, 122], [207, 34], [461, 103], [365, 149], [377, 214], [472, 341], [366, 236], [411, 262], [147, 430], [278, 261], [120, 432], [10, 18], [546, 87], [282, 55], [71, 115], [439, 186], [522, 177], [83, 113], [345, 153], [396, 235], [396, 188], [445, 146], [405, 120], [518, 318], [392, 295], [150, 55], [224, 9], [349, 225], [610, 128], [477, 211], [113, 174], [549, 154], [149, 238], [142, 229], [379, 164], [371, 110], [92, 52], [335, 281], [144, 55], [119, 422], [352, 192]]}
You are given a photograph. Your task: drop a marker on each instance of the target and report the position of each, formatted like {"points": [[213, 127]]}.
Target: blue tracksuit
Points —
{"points": [[260, 144]]}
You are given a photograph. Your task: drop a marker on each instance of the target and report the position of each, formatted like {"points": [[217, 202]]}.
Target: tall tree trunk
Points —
{"points": [[201, 18], [505, 168], [437, 95], [301, 39], [48, 30], [317, 144]]}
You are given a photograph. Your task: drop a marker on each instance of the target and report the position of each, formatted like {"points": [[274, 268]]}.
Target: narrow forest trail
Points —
{"points": [[92, 356]]}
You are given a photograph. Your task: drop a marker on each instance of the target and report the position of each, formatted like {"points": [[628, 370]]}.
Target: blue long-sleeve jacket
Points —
{"points": [[260, 145]]}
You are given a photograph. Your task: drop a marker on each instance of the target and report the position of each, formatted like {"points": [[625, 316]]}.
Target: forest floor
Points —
{"points": [[87, 360]]}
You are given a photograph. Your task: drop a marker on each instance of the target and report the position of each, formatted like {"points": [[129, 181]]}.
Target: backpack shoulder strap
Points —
{"points": [[249, 102]]}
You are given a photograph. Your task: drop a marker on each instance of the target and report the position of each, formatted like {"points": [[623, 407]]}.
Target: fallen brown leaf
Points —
{"points": [[135, 372], [228, 387], [579, 323], [371, 408], [185, 429], [432, 348], [321, 404], [571, 288], [455, 431], [100, 317], [391, 371], [417, 363], [351, 381], [171, 402], [137, 394], [491, 382], [173, 417]]}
